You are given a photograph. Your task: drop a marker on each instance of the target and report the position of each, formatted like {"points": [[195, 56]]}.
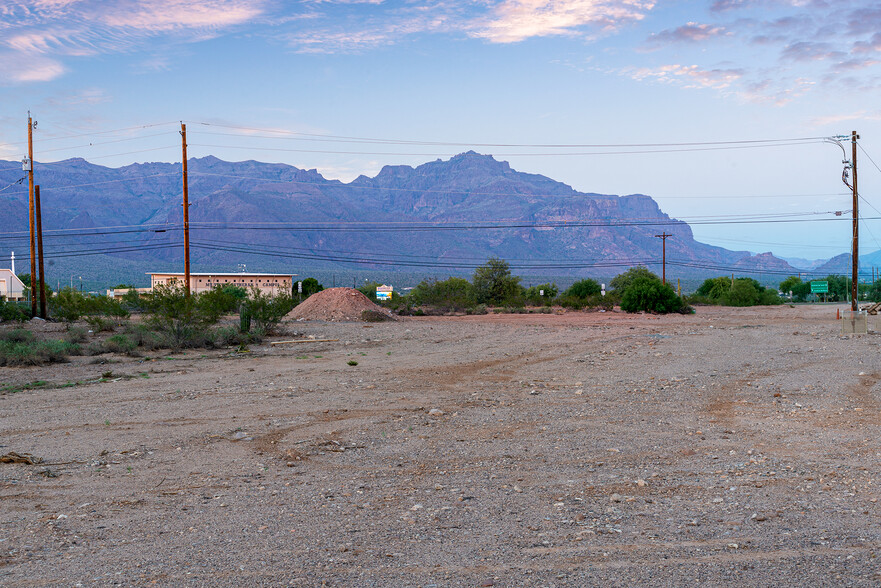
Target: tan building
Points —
{"points": [[118, 293], [11, 288], [267, 283]]}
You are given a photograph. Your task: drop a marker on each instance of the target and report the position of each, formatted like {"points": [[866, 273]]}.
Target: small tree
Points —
{"points": [[583, 289], [620, 282], [543, 294], [650, 295], [447, 295], [267, 311], [494, 284], [310, 287]]}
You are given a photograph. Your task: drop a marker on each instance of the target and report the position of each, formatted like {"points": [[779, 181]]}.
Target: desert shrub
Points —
{"points": [[176, 317], [67, 305], [76, 335], [447, 295], [742, 293], [477, 309], [494, 284], [649, 294], [221, 300], [100, 323], [800, 290], [131, 300], [266, 311], [144, 337], [17, 336], [13, 311], [233, 336], [583, 289], [770, 297], [119, 344], [32, 352], [541, 295], [621, 282], [103, 306], [573, 302]]}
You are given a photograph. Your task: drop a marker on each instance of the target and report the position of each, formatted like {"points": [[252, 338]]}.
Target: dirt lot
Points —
{"points": [[732, 447]]}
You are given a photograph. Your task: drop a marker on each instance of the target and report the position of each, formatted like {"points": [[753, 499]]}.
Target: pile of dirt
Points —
{"points": [[339, 304]]}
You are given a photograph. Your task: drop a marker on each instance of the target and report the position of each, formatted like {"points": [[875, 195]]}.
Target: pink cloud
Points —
{"points": [[517, 20], [691, 32]]}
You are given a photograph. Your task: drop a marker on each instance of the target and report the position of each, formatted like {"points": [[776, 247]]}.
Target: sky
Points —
{"points": [[668, 99]]}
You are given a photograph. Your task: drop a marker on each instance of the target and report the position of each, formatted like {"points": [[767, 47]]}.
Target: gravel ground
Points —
{"points": [[728, 448]]}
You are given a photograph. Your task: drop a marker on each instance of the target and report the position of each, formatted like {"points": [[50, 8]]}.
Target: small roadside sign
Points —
{"points": [[819, 287]]}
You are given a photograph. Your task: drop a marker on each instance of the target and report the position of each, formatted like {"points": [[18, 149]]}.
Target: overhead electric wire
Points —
{"points": [[572, 194], [90, 133], [88, 252], [102, 143], [447, 154], [524, 145]]}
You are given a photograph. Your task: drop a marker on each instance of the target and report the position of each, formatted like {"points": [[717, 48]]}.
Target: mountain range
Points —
{"points": [[443, 217]]}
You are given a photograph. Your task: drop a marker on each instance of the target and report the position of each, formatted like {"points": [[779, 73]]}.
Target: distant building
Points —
{"points": [[11, 288], [118, 293], [266, 283]]}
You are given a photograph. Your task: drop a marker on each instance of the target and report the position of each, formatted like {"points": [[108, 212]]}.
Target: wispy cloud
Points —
{"points": [[691, 32], [689, 76], [51, 30], [517, 20]]}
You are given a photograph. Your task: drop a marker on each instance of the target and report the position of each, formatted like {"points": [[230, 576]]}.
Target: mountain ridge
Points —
{"points": [[235, 205]]}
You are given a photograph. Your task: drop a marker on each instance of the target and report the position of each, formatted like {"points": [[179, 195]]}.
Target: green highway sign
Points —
{"points": [[819, 287]]}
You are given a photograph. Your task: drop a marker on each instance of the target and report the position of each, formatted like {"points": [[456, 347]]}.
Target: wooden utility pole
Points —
{"points": [[31, 214], [40, 252], [854, 286], [183, 134], [663, 237]]}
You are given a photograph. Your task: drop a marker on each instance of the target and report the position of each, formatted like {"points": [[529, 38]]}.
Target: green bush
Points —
{"points": [[266, 311], [572, 302], [144, 337], [32, 352], [535, 297], [452, 294], [13, 311], [583, 289], [76, 335], [119, 344], [622, 281], [67, 305], [221, 300], [650, 295], [494, 284], [17, 336], [179, 320], [100, 323], [310, 287]]}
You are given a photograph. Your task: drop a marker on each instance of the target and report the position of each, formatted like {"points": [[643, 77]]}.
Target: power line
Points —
{"points": [[559, 154], [523, 145]]}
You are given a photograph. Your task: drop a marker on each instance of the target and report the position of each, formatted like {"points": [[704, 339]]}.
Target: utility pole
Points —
{"points": [[663, 237], [40, 252], [183, 134], [31, 214], [854, 287]]}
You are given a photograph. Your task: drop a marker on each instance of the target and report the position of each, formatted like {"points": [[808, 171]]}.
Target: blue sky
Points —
{"points": [[283, 81]]}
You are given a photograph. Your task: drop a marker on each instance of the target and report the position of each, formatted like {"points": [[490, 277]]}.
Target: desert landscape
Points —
{"points": [[729, 447]]}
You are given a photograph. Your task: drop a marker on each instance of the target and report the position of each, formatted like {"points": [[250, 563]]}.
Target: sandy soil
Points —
{"points": [[732, 447]]}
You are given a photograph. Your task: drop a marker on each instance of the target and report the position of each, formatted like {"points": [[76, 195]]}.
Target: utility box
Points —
{"points": [[855, 322]]}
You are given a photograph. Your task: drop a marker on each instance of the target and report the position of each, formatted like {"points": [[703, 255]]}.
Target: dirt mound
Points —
{"points": [[338, 304]]}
